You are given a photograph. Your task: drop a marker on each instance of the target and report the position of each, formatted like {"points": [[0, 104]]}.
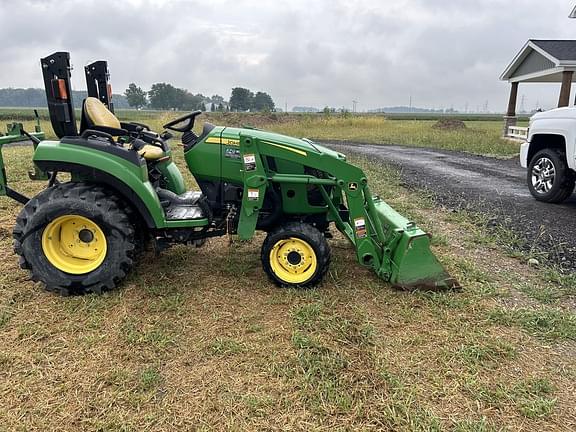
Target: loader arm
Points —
{"points": [[384, 240]]}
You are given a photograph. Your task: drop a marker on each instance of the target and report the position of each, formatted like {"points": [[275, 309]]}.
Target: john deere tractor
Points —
{"points": [[124, 189]]}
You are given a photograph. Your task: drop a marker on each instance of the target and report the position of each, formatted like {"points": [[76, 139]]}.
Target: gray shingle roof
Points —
{"points": [[560, 49]]}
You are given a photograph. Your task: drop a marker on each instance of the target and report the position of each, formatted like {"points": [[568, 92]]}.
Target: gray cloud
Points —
{"points": [[325, 52]]}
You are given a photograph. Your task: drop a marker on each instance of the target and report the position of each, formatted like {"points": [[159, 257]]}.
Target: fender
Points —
{"points": [[173, 176], [129, 179], [564, 127]]}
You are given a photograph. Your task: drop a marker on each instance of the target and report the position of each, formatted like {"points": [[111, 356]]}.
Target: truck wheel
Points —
{"points": [[549, 178], [295, 255], [75, 239]]}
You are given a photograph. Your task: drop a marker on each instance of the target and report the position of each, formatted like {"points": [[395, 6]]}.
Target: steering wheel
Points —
{"points": [[184, 123]]}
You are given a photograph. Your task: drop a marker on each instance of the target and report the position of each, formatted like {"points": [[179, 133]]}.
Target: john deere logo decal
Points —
{"points": [[352, 186]]}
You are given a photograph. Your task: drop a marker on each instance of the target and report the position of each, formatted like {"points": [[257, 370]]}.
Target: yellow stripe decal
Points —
{"points": [[300, 152], [225, 141]]}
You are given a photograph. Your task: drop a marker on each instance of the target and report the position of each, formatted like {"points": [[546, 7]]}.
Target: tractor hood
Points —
{"points": [[299, 144]]}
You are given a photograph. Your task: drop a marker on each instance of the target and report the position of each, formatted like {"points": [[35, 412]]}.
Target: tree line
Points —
{"points": [[36, 98], [164, 96], [161, 96]]}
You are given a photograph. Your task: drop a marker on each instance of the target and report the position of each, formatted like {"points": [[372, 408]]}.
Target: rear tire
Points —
{"points": [[69, 260], [295, 255], [549, 178]]}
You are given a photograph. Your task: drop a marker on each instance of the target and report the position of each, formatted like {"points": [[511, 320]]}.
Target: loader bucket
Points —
{"points": [[412, 264]]}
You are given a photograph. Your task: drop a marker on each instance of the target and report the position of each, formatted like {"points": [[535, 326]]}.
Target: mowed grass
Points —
{"points": [[199, 339], [479, 136]]}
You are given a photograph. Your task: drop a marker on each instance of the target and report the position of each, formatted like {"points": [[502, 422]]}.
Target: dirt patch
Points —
{"points": [[449, 124]]}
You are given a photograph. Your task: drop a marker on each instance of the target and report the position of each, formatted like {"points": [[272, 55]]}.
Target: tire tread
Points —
{"points": [[67, 194], [311, 235], [560, 192]]}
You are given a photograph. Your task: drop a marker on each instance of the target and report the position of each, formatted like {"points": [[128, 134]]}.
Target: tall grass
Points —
{"points": [[479, 136]]}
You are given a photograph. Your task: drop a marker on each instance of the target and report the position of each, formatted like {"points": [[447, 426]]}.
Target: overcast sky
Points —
{"points": [[304, 52]]}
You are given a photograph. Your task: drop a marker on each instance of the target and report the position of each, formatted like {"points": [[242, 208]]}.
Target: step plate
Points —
{"points": [[184, 212]]}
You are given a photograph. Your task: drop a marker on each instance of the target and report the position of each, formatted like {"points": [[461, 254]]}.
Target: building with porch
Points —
{"points": [[540, 61]]}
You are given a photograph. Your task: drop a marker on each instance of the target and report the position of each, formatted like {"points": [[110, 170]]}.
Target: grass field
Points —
{"points": [[198, 339], [479, 137]]}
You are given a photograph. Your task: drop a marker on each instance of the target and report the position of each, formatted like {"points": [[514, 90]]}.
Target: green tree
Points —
{"points": [[191, 102], [135, 96], [241, 99], [165, 96], [262, 102], [217, 99]]}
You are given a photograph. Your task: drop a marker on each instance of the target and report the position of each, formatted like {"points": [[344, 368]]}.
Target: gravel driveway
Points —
{"points": [[494, 187]]}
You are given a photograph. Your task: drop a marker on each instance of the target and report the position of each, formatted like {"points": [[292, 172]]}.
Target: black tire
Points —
{"points": [[142, 235], [95, 203], [553, 190], [308, 235]]}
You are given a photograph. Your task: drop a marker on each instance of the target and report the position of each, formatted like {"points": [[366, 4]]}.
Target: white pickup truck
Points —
{"points": [[550, 154]]}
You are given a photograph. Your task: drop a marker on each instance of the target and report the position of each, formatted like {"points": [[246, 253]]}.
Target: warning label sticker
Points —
{"points": [[360, 227], [249, 162], [253, 194]]}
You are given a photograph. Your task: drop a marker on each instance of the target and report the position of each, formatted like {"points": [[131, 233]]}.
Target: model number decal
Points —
{"points": [[231, 153], [230, 141]]}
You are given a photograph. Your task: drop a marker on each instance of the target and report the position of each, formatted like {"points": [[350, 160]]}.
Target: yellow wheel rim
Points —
{"points": [[74, 244], [293, 260]]}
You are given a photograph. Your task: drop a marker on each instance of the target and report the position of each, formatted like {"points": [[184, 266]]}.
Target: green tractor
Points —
{"points": [[124, 190]]}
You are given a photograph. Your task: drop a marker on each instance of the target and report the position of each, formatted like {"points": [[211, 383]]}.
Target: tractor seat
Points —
{"points": [[95, 114]]}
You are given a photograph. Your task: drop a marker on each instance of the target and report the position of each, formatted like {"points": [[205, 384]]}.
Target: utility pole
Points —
{"points": [[522, 101], [410, 106], [285, 106]]}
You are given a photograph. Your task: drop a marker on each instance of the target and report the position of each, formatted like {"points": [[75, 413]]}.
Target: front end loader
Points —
{"points": [[125, 190]]}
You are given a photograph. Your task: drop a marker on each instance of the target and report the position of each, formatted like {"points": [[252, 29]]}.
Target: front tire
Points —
{"points": [[549, 178], [75, 238], [295, 255]]}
